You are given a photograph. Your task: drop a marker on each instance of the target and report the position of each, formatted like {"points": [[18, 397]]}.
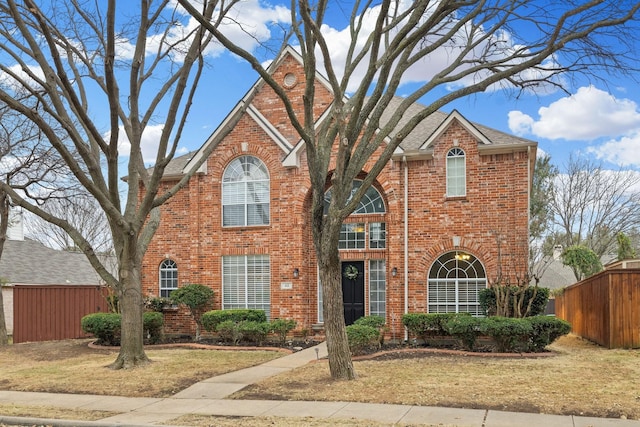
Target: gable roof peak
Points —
{"points": [[455, 116]]}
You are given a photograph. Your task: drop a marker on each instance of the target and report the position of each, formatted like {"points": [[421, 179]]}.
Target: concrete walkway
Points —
{"points": [[208, 398]]}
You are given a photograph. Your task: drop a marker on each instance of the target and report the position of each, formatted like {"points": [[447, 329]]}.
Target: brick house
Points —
{"points": [[444, 219]]}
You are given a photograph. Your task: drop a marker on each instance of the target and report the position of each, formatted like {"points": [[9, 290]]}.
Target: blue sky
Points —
{"points": [[599, 119]]}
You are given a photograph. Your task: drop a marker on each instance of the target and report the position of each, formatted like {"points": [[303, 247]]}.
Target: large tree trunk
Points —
{"points": [[340, 363], [4, 226], [4, 337], [131, 304]]}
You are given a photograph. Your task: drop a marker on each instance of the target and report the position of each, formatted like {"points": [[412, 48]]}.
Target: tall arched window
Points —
{"points": [[455, 279], [245, 193], [168, 277], [456, 173]]}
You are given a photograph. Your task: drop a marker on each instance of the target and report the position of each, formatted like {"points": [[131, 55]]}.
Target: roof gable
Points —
{"points": [[247, 105], [258, 103], [457, 117]]}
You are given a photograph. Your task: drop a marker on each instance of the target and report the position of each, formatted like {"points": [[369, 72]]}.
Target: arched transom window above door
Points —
{"points": [[365, 234], [371, 202], [454, 282]]}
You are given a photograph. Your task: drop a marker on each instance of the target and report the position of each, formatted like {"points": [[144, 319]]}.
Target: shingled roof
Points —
{"points": [[431, 123], [31, 263]]}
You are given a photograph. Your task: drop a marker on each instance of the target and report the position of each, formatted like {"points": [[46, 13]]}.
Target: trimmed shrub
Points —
{"points": [[197, 298], [509, 334], [466, 329], [281, 327], [153, 323], [104, 326], [211, 319], [362, 337], [255, 332], [545, 330], [229, 332], [376, 322], [429, 325]]}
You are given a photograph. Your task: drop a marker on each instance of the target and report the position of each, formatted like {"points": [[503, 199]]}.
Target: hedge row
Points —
{"points": [[529, 334], [232, 326], [211, 319], [106, 327]]}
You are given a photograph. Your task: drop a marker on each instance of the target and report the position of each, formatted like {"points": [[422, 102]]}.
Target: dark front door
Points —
{"points": [[353, 290]]}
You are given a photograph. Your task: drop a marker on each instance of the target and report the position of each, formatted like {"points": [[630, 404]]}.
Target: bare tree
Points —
{"points": [[389, 40], [103, 72], [541, 218], [25, 162], [591, 205], [83, 212], [4, 225]]}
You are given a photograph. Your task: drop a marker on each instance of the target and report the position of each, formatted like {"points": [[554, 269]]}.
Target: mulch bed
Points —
{"points": [[388, 351]]}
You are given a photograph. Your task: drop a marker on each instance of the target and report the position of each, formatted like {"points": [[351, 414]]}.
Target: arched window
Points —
{"points": [[456, 173], [168, 277], [245, 193], [455, 279], [371, 202], [353, 235]]}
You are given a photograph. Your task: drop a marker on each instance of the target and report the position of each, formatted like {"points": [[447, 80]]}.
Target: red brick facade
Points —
{"points": [[490, 222]]}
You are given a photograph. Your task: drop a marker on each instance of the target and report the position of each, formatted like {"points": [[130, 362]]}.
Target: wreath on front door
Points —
{"points": [[351, 272]]}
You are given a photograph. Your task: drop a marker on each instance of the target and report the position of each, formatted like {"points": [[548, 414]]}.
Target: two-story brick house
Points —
{"points": [[446, 216]]}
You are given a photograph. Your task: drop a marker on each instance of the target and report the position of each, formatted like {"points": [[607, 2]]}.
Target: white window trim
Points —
{"points": [[460, 154]]}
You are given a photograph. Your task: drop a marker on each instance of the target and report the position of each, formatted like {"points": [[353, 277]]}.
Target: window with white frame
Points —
{"points": [[352, 236], [456, 173], [246, 282], [454, 284], [371, 202], [168, 277], [245, 193], [377, 235], [377, 288], [320, 304]]}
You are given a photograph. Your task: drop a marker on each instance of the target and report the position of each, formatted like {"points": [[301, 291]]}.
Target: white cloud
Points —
{"points": [[624, 151], [22, 78], [498, 46], [588, 114], [520, 123], [247, 24]]}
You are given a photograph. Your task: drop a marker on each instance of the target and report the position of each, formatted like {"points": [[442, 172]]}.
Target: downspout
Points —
{"points": [[529, 210], [406, 241]]}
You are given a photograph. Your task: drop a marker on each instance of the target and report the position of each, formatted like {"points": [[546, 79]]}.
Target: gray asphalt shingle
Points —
{"points": [[30, 262]]}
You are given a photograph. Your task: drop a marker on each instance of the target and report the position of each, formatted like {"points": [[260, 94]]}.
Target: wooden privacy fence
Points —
{"points": [[44, 313], [604, 308]]}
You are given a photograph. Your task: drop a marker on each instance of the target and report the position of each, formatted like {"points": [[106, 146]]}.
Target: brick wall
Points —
{"points": [[493, 211]]}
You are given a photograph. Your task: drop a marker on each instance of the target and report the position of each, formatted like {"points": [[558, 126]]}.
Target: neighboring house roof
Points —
{"points": [[30, 262], [557, 276]]}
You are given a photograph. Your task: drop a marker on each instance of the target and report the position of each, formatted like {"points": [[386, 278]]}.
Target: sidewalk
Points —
{"points": [[207, 398]]}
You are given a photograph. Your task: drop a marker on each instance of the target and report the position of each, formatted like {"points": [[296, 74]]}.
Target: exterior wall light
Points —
{"points": [[394, 271], [296, 273]]}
